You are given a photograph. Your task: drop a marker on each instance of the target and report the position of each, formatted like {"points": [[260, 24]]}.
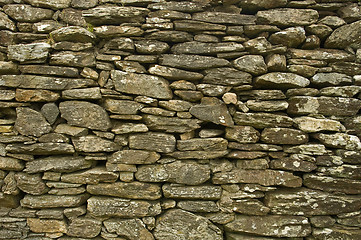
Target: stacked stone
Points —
{"points": [[199, 119]]}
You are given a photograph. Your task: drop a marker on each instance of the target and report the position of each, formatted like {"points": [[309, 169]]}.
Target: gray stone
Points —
{"points": [[91, 176], [263, 177], [6, 23], [242, 134], [84, 4], [85, 114], [53, 4], [31, 122], [195, 47], [281, 80], [253, 64], [158, 142], [212, 90], [260, 45], [41, 148], [9, 201], [332, 21], [57, 164], [151, 47], [202, 192], [309, 124], [201, 155], [122, 106], [158, 111], [87, 93], [262, 120], [331, 55], [338, 232], [141, 84], [71, 130], [283, 136], [331, 184], [350, 12], [27, 13], [266, 106], [180, 224], [344, 91], [25, 95], [175, 105], [262, 94], [174, 124], [92, 143], [226, 76], [104, 14], [225, 18], [128, 66], [339, 140], [276, 62], [291, 37], [293, 163], [46, 225], [345, 171], [73, 59], [192, 62], [84, 228], [8, 68], [322, 31], [31, 183], [271, 225], [132, 229], [187, 7], [344, 36], [134, 157], [197, 26], [110, 31], [123, 208], [53, 201], [205, 144], [73, 34], [29, 53], [330, 79], [170, 36], [174, 74], [287, 17]]}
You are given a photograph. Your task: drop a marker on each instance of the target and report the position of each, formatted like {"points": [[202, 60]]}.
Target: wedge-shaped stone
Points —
{"points": [[195, 47], [71, 130], [46, 225], [57, 164], [310, 124], [133, 190], [308, 202], [31, 183], [287, 17], [176, 105], [84, 228], [53, 201], [85, 114], [180, 224], [158, 142], [134, 157], [344, 36], [331, 55], [339, 140], [197, 26], [86, 93], [201, 155], [141, 84], [11, 164], [225, 18], [253, 64], [281, 81], [174, 73], [29, 53], [91, 176], [73, 59], [53, 4], [31, 122], [192, 62], [6, 23], [42, 82], [41, 148], [92, 143], [226, 77], [27, 13], [242, 134], [179, 6], [132, 229], [262, 177], [122, 106], [123, 208], [283, 136], [262, 120], [331, 184], [329, 106], [202, 144], [110, 14], [330, 79], [174, 124], [73, 34], [203, 192], [8, 68], [271, 225]]}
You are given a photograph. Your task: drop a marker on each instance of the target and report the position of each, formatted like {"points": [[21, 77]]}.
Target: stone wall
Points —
{"points": [[180, 120]]}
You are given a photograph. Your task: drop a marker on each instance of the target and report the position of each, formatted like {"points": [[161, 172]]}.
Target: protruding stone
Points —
{"points": [[226, 77], [331, 55], [11, 164], [6, 23], [29, 53], [174, 73], [290, 37], [262, 120], [111, 31], [197, 26], [53, 4], [25, 95], [188, 7], [192, 62], [345, 36], [281, 80], [31, 122], [337, 232], [285, 17], [158, 142], [331, 184], [151, 47], [57, 164], [73, 59], [41, 148], [253, 64], [266, 106], [206, 144], [242, 134], [53, 201], [339, 140], [46, 225]]}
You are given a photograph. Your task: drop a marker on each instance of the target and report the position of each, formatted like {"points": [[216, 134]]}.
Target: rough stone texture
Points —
{"points": [[29, 53], [192, 62], [283, 136], [253, 64], [132, 229], [280, 80], [287, 17], [58, 164], [31, 122], [27, 13], [338, 38], [53, 201]]}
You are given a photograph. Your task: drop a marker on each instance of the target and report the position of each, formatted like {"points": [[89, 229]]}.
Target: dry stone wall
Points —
{"points": [[180, 120]]}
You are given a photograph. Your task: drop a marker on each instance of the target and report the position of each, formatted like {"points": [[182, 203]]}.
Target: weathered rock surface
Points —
{"points": [[283, 136], [339, 140], [192, 62], [338, 38], [31, 183], [280, 80], [203, 192], [84, 227], [134, 157], [287, 17], [226, 77], [57, 164], [41, 148], [132, 229], [73, 59], [46, 225], [53, 201], [206, 48], [94, 144], [158, 142], [174, 73], [253, 64], [53, 4], [91, 176], [29, 53], [172, 125], [309, 124], [331, 184], [31, 122], [27, 13], [262, 120], [242, 134]]}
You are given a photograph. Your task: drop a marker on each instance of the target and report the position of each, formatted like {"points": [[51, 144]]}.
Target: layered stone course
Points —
{"points": [[180, 119]]}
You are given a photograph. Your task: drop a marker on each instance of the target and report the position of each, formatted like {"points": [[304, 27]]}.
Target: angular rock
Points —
{"points": [[226, 76], [84, 228], [330, 79], [174, 73], [328, 106], [53, 201], [331, 55], [73, 34], [339, 140], [345, 36], [123, 208], [195, 47], [8, 68], [285, 17], [255, 5], [104, 14], [174, 124], [248, 207], [262, 94], [122, 106], [330, 184], [46, 225], [31, 183], [132, 229], [253, 64], [202, 192], [9, 201], [170, 36], [29, 53], [263, 177], [212, 90], [85, 114], [53, 4], [41, 148], [57, 164], [87, 93], [242, 134], [158, 142], [205, 144], [271, 225], [134, 157], [192, 62], [123, 128], [197, 26], [94, 144], [151, 47], [175, 105], [110, 31], [280, 80], [73, 59], [6, 23], [180, 224], [27, 13], [71, 130], [283, 136], [291, 37], [266, 106], [23, 95], [309, 124], [141, 84], [344, 171], [310, 202], [91, 176], [31, 122], [225, 18], [262, 120]]}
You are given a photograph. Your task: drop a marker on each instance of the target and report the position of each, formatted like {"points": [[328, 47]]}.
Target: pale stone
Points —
{"points": [[29, 53], [281, 80], [91, 176], [287, 17], [47, 225], [309, 124], [53, 201], [132, 229]]}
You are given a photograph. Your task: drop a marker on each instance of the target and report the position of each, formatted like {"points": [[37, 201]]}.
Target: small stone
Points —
{"points": [[253, 64], [281, 80], [170, 36], [320, 30], [158, 142], [132, 229], [84, 228], [332, 21], [11, 164], [209, 144], [151, 47], [190, 96], [6, 23], [31, 122], [197, 26], [128, 66], [266, 106], [262, 95], [212, 90], [283, 136], [230, 98], [29, 53], [71, 130], [336, 232], [344, 91], [87, 93], [8, 68], [84, 4], [134, 157], [46, 225], [287, 17], [291, 37], [57, 164]]}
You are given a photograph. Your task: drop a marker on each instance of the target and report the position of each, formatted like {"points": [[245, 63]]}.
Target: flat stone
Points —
{"points": [[255, 5], [262, 94], [27, 13], [202, 192], [344, 171], [352, 157], [24, 95], [123, 208], [188, 7], [338, 38], [331, 184], [181, 224], [31, 122], [46, 225], [310, 124], [339, 140], [8, 67], [293, 163], [331, 55], [29, 53], [141, 84], [310, 202], [205, 144], [71, 130], [87, 93], [287, 17], [195, 47], [53, 4], [110, 31], [73, 34], [170, 36], [73, 59], [192, 62], [242, 134], [57, 164], [225, 18], [329, 106], [133, 190], [9, 201], [91, 176], [84, 228], [174, 73], [201, 155], [122, 106], [253, 64], [263, 177], [226, 77], [281, 80], [6, 23], [212, 90], [176, 105], [53, 201], [41, 148], [338, 232], [123, 128], [271, 225], [262, 120], [330, 79], [134, 157], [158, 142], [197, 26], [171, 125], [132, 229], [85, 114], [11, 164], [104, 14], [151, 47], [266, 106], [158, 111], [283, 136], [344, 91], [31, 183]]}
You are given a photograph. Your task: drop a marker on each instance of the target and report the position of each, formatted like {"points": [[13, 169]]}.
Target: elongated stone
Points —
{"points": [[53, 201], [339, 140], [53, 4], [94, 144], [31, 183], [27, 13], [11, 164], [331, 55], [206, 48], [41, 148], [226, 77], [91, 176], [197, 26], [174, 73], [287, 17], [201, 155], [168, 124], [188, 7], [337, 232], [122, 106], [73, 34], [242, 134], [192, 62], [46, 225], [132, 229], [205, 144], [281, 80], [338, 38], [23, 95], [309, 124], [331, 184], [110, 31], [73, 59], [29, 53], [262, 120], [158, 142], [225, 18], [283, 136], [134, 157], [84, 227], [57, 164], [203, 192]]}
